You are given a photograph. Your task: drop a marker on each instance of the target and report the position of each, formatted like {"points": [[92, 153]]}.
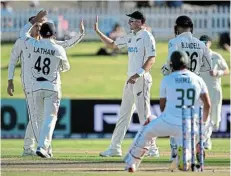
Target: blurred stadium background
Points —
{"points": [[92, 90], [96, 79], [161, 15]]}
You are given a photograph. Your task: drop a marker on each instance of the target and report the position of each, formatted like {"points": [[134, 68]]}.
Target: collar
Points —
{"points": [[137, 33], [181, 71], [48, 40], [185, 34]]}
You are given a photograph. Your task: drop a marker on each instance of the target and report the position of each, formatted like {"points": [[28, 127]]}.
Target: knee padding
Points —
{"points": [[138, 152]]}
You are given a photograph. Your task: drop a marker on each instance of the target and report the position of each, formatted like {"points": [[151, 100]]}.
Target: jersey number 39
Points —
{"points": [[185, 95]]}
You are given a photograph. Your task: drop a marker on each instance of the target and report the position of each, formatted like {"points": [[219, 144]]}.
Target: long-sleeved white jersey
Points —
{"points": [[196, 50], [45, 61], [18, 54], [218, 63]]}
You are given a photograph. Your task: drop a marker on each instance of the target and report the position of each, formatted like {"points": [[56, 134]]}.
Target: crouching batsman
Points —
{"points": [[182, 88]]}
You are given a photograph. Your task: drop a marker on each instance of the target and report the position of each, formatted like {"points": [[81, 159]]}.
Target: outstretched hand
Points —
{"points": [[40, 17], [81, 27], [96, 28]]}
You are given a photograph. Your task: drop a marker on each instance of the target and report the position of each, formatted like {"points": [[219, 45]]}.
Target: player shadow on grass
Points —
{"points": [[87, 55], [81, 55], [225, 85]]}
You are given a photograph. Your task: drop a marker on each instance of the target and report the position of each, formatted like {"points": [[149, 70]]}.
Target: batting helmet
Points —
{"points": [[184, 22], [178, 60]]}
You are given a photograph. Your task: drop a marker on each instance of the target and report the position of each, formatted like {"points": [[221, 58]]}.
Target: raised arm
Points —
{"points": [[25, 31], [74, 40], [64, 63], [109, 42]]}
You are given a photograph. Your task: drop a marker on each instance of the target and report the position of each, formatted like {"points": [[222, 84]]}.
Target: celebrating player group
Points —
{"points": [[192, 79]]}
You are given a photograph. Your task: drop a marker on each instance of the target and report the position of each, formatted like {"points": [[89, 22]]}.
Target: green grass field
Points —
{"points": [[100, 77], [80, 157]]}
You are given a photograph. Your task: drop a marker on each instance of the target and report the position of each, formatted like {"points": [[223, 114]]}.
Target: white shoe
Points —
{"points": [[153, 152], [50, 151], [42, 152], [111, 153], [208, 144], [29, 152]]}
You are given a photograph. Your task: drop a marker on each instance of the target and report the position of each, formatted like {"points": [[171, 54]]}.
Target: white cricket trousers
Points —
{"points": [[34, 123], [214, 120], [216, 102], [46, 106], [158, 127], [134, 96], [32, 129]]}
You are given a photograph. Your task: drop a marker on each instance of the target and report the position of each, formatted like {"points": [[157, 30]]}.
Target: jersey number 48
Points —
{"points": [[44, 67]]}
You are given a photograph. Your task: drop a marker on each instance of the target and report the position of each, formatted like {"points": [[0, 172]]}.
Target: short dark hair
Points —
{"points": [[179, 59], [205, 38], [137, 15], [47, 29], [184, 21]]}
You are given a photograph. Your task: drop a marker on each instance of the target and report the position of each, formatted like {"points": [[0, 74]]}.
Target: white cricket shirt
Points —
{"points": [[140, 46], [19, 51], [181, 88], [47, 59], [196, 50], [218, 63]]}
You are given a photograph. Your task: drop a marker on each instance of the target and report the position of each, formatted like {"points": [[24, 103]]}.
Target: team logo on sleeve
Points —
{"points": [[169, 45], [138, 39], [129, 40]]}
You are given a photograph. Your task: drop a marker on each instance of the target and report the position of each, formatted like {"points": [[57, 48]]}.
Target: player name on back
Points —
{"points": [[182, 80], [190, 45], [44, 51]]}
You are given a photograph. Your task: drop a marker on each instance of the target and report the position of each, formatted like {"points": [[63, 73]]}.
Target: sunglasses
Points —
{"points": [[132, 21]]}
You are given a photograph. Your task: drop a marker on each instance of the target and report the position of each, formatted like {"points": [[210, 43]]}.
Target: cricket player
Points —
{"points": [[136, 92], [19, 54], [48, 59], [180, 88], [213, 82], [196, 50]]}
